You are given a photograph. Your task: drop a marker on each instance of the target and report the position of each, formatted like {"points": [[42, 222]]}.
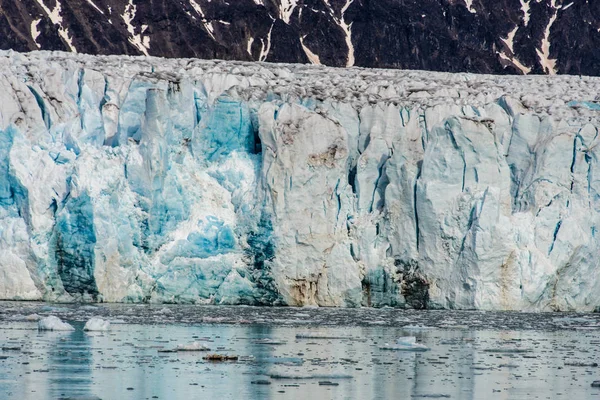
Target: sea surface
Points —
{"points": [[296, 353]]}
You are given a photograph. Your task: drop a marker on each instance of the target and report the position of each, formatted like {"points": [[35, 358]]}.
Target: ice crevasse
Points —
{"points": [[188, 181]]}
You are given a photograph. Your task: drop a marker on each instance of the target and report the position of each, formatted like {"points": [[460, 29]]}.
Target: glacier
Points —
{"points": [[140, 179]]}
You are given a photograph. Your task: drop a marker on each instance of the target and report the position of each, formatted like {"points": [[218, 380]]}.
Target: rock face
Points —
{"points": [[484, 36], [151, 180]]}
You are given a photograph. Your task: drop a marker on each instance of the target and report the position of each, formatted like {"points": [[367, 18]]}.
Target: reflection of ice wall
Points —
{"points": [[210, 182]]}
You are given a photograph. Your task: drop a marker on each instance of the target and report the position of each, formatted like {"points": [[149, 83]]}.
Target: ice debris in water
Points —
{"points": [[507, 350], [195, 346], [53, 323], [30, 317], [309, 376], [96, 324], [319, 336], [269, 341], [405, 343], [406, 340]]}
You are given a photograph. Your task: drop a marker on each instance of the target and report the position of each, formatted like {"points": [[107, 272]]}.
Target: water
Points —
{"points": [[304, 353]]}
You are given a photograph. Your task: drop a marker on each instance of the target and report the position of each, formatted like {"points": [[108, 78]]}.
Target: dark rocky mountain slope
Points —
{"points": [[485, 36]]}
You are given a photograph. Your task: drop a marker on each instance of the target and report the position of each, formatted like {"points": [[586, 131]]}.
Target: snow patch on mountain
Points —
{"points": [[286, 9], [525, 8], [35, 33], [90, 2], [56, 18], [142, 43], [548, 64], [312, 57]]}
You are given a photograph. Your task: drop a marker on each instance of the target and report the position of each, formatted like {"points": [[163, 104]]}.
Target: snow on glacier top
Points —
{"points": [[558, 96]]}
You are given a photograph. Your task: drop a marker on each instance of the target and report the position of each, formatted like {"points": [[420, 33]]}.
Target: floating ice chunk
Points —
{"points": [[53, 323], [195, 346], [406, 343], [319, 336], [269, 341], [310, 376], [30, 317], [406, 340], [96, 324]]}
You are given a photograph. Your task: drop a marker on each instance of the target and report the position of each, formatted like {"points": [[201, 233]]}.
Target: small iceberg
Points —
{"points": [[405, 343], [269, 341], [53, 323], [309, 376], [194, 346], [96, 324], [321, 336]]}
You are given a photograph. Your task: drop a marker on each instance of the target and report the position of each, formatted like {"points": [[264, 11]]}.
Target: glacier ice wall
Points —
{"points": [[151, 180]]}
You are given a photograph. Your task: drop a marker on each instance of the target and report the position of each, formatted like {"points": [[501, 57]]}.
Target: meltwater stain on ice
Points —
{"points": [[171, 352]]}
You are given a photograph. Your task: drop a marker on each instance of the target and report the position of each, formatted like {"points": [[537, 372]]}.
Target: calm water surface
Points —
{"points": [[310, 354]]}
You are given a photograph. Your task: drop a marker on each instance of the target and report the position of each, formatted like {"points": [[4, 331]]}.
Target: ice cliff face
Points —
{"points": [[142, 179]]}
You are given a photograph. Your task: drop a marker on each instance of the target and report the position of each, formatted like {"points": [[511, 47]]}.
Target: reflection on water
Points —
{"points": [[125, 363], [69, 363]]}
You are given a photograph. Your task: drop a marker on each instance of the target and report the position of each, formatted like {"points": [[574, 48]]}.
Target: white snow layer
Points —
{"points": [[53, 323], [163, 180]]}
